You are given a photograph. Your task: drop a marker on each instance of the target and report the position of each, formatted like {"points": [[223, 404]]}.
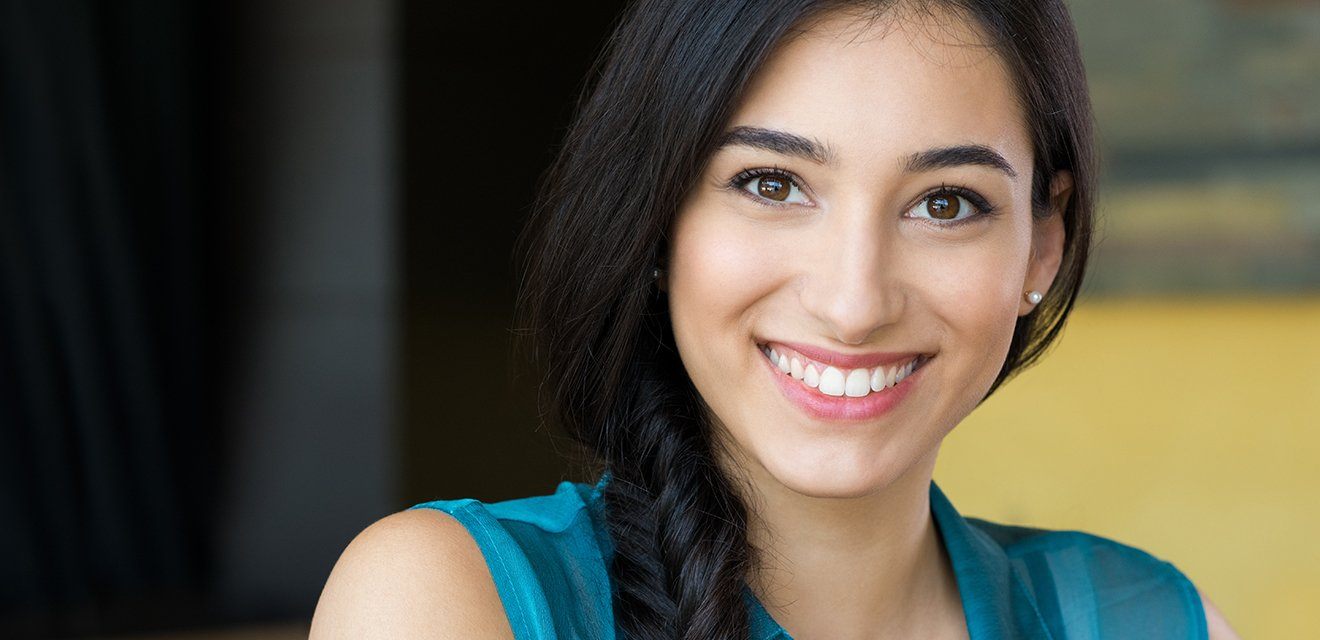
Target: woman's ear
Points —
{"points": [[1047, 241], [662, 279]]}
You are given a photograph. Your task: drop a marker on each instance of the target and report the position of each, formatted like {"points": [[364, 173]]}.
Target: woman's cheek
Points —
{"points": [[974, 289], [719, 268], [719, 263]]}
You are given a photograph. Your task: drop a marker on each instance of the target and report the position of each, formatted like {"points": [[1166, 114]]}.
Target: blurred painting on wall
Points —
{"points": [[1208, 118]]}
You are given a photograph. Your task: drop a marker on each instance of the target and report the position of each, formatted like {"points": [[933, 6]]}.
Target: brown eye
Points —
{"points": [[943, 206], [774, 187], [951, 206]]}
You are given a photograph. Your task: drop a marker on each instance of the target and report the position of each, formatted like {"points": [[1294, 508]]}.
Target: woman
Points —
{"points": [[787, 247]]}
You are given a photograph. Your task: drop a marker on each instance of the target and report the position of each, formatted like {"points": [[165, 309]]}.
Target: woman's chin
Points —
{"points": [[838, 480]]}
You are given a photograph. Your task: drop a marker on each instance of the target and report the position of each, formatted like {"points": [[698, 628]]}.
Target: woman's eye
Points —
{"points": [[946, 207], [776, 187]]}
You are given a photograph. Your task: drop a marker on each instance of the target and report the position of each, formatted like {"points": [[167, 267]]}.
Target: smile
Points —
{"points": [[841, 394], [833, 381]]}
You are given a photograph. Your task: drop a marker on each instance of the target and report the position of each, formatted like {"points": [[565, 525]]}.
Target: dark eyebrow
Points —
{"points": [[956, 156], [791, 144], [781, 142]]}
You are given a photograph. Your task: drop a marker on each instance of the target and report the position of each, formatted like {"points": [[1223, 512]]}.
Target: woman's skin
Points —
{"points": [[852, 263]]}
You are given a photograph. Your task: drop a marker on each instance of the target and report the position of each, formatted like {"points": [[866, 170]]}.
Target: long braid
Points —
{"points": [[680, 532]]}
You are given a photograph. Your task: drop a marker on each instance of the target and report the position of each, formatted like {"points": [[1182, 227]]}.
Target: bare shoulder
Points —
{"points": [[412, 574], [1215, 622]]}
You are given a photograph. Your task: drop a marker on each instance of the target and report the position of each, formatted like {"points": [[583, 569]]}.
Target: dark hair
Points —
{"points": [[664, 89]]}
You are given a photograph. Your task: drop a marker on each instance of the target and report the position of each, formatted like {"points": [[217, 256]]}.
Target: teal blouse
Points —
{"points": [[549, 556]]}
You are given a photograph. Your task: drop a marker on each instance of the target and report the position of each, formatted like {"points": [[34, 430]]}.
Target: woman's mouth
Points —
{"points": [[827, 392], [835, 381]]}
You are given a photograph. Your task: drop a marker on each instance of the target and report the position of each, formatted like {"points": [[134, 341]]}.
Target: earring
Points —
{"points": [[1034, 296], [657, 278]]}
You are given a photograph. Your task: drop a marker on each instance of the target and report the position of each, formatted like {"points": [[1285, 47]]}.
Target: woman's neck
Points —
{"points": [[852, 568]]}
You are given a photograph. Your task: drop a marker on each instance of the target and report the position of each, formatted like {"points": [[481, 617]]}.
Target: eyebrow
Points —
{"points": [[791, 144], [958, 155], [781, 142]]}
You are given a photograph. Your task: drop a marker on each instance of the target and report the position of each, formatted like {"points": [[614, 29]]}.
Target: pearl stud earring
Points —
{"points": [[1034, 296]]}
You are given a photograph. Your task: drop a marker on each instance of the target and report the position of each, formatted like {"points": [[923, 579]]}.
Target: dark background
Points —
{"points": [[256, 286]]}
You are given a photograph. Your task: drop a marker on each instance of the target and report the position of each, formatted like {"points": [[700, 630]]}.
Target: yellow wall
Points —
{"points": [[1189, 428]]}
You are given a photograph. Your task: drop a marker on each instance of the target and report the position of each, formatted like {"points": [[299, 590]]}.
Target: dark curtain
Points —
{"points": [[106, 447]]}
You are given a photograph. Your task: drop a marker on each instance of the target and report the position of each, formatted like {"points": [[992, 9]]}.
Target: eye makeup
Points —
{"points": [[984, 209]]}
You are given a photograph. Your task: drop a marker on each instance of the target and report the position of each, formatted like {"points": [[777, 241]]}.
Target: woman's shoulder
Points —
{"points": [[526, 568], [403, 559], [1089, 582], [546, 557]]}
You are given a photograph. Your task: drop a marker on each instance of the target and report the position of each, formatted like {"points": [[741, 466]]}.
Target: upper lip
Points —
{"points": [[847, 360]]}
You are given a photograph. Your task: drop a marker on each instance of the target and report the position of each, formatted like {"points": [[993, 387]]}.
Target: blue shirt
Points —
{"points": [[549, 556]]}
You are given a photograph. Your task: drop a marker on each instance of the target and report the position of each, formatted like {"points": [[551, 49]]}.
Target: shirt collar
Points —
{"points": [[996, 603]]}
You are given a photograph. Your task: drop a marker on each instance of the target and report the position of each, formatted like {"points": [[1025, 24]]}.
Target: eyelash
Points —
{"points": [[983, 206]]}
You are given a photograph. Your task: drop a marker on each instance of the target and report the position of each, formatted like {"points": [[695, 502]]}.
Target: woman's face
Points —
{"points": [[825, 227]]}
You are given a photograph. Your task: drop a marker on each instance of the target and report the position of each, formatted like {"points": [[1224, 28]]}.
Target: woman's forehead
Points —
{"points": [[876, 88]]}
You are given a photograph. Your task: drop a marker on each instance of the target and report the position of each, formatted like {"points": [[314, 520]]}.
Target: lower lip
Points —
{"points": [[841, 408]]}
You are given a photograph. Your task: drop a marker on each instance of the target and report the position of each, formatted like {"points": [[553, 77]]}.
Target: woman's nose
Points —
{"points": [[853, 284]]}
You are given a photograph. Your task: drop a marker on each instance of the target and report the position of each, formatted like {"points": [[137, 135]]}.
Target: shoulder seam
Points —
{"points": [[469, 513], [566, 503], [1056, 538], [521, 629], [1193, 596]]}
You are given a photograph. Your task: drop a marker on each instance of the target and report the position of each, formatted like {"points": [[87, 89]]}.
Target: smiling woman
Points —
{"points": [[785, 250]]}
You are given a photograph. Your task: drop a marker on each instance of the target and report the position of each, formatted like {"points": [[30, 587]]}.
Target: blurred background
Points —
{"points": [[256, 280]]}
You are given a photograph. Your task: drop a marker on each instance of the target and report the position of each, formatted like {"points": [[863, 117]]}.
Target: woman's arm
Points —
{"points": [[1215, 622], [413, 574]]}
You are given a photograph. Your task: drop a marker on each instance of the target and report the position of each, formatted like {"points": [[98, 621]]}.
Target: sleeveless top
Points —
{"points": [[549, 557]]}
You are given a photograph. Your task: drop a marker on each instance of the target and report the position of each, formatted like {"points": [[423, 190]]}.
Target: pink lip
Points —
{"points": [[841, 408], [846, 361]]}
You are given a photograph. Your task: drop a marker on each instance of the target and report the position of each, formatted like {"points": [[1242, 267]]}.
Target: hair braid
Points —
{"points": [[680, 531]]}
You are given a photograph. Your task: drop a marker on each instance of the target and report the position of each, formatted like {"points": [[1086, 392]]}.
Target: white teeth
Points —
{"points": [[831, 382], [811, 377], [855, 383], [858, 383]]}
